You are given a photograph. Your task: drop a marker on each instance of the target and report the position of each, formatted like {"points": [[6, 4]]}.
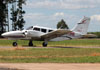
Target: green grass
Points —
{"points": [[75, 42], [50, 52], [53, 60], [51, 55]]}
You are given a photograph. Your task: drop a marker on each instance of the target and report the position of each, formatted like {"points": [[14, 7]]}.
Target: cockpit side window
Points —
{"points": [[50, 30], [36, 29], [43, 30]]}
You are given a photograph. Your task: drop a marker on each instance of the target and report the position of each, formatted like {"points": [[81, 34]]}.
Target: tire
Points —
{"points": [[44, 44], [30, 43], [14, 44]]}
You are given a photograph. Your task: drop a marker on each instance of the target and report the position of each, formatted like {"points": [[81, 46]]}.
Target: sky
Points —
{"points": [[49, 12]]}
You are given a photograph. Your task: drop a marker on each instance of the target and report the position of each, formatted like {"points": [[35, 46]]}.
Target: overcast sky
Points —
{"points": [[49, 12]]}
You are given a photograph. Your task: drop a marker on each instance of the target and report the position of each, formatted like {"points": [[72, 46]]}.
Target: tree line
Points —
{"points": [[16, 11]]}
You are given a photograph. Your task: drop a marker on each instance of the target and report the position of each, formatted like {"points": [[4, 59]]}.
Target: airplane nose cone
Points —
{"points": [[13, 34], [3, 34]]}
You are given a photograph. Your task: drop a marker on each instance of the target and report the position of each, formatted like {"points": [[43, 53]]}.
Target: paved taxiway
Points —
{"points": [[48, 66]]}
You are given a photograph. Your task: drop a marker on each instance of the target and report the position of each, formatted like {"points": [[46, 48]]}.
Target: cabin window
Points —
{"points": [[43, 30], [50, 30], [36, 29]]}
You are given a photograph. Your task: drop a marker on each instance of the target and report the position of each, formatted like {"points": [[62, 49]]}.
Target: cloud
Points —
{"points": [[51, 17], [96, 17], [63, 4], [44, 17], [51, 20], [34, 16], [59, 14]]}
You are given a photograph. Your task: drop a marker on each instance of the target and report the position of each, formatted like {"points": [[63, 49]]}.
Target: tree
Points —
{"points": [[20, 21], [62, 25], [7, 3], [17, 14], [14, 14], [2, 16]]}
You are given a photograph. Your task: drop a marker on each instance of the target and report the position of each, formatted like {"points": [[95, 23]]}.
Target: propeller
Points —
{"points": [[25, 33]]}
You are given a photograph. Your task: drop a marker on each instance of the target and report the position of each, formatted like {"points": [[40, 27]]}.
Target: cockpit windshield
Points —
{"points": [[29, 28]]}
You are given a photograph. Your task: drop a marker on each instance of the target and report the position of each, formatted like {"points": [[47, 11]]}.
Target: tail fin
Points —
{"points": [[82, 27]]}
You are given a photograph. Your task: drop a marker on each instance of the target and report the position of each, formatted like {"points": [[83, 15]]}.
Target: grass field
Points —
{"points": [[67, 43], [52, 55]]}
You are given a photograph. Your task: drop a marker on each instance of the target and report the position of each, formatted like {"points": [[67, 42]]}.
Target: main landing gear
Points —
{"points": [[44, 44], [30, 43]]}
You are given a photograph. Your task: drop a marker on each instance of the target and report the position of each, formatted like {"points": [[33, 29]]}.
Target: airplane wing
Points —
{"points": [[55, 34]]}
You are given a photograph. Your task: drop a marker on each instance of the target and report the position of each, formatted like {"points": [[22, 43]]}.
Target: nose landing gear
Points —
{"points": [[14, 44]]}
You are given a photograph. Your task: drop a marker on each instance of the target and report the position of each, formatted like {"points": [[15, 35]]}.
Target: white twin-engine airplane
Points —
{"points": [[47, 34]]}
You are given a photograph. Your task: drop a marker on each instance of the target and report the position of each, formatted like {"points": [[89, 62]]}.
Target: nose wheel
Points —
{"points": [[14, 44], [44, 44]]}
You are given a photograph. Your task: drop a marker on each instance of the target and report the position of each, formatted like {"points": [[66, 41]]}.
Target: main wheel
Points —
{"points": [[30, 43], [44, 44], [14, 44]]}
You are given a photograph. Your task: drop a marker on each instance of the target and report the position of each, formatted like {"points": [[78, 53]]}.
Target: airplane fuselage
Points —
{"points": [[36, 35]]}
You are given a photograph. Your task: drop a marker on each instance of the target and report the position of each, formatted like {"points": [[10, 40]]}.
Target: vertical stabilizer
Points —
{"points": [[82, 27]]}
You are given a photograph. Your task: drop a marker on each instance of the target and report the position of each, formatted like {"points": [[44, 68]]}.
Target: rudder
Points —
{"points": [[82, 27]]}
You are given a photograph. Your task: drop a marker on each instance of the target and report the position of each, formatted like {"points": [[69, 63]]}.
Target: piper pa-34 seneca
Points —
{"points": [[47, 34]]}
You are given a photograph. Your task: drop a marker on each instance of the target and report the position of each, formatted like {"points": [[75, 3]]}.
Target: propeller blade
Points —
{"points": [[25, 33]]}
